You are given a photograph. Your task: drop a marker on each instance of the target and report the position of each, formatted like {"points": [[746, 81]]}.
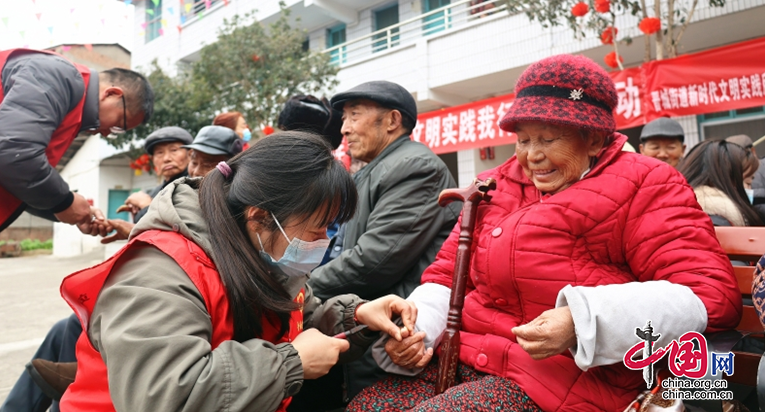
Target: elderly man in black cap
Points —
{"points": [[213, 144], [663, 139], [170, 160], [398, 227]]}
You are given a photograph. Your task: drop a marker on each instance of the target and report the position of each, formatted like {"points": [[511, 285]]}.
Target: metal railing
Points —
{"points": [[455, 15]]}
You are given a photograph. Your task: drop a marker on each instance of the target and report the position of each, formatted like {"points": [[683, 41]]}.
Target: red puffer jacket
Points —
{"points": [[631, 219]]}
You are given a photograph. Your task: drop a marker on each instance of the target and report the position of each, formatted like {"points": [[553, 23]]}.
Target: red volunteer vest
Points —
{"points": [[90, 390], [10, 206]]}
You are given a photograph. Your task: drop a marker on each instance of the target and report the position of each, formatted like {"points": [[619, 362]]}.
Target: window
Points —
{"points": [[193, 7], [153, 19], [719, 125], [731, 114], [435, 22], [384, 18], [336, 37]]}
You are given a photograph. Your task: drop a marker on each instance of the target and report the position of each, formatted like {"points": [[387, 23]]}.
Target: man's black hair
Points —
{"points": [[138, 92]]}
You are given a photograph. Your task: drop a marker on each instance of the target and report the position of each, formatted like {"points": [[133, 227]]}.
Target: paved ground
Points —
{"points": [[29, 305]]}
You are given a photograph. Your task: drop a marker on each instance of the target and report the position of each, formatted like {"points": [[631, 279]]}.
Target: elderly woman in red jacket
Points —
{"points": [[580, 244]]}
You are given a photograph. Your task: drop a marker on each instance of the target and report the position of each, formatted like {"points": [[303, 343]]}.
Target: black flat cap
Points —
{"points": [[386, 94], [166, 134], [662, 127], [216, 140]]}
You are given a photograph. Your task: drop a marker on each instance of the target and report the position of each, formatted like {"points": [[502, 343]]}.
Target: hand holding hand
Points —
{"points": [[96, 225], [551, 333], [78, 212], [377, 314], [410, 352], [318, 352], [122, 229]]}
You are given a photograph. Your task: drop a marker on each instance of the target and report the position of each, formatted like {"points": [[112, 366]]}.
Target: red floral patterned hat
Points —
{"points": [[566, 90]]}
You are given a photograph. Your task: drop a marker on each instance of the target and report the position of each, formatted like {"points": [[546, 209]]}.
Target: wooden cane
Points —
{"points": [[471, 196]]}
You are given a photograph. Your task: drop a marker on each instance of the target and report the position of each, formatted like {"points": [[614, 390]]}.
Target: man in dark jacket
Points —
{"points": [[399, 226], [46, 102]]}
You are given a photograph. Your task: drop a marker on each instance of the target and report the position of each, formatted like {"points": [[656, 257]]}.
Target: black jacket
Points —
{"points": [[40, 90]]}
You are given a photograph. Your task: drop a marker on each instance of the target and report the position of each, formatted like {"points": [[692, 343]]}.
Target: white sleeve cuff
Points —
{"points": [[605, 317], [432, 301]]}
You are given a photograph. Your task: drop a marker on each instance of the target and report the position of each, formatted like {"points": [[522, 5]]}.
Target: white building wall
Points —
{"points": [[82, 174]]}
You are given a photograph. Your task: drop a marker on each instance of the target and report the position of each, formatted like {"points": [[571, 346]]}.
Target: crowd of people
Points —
{"points": [[230, 295]]}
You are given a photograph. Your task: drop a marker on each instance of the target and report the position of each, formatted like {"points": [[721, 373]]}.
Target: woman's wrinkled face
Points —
{"points": [[554, 157]]}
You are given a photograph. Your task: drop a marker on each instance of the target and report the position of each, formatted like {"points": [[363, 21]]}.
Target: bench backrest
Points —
{"points": [[746, 244]]}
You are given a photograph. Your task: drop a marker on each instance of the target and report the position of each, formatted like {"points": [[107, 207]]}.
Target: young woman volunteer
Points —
{"points": [[207, 307]]}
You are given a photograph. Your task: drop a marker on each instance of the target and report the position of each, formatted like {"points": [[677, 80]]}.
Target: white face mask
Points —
{"points": [[300, 257], [750, 195]]}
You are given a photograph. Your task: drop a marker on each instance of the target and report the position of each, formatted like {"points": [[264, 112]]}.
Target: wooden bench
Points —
{"points": [[744, 244]]}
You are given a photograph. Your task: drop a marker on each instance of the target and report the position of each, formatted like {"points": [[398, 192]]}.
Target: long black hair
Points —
{"points": [[290, 174], [721, 165]]}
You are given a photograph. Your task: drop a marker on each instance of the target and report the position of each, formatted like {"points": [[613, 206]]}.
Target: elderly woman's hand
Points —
{"points": [[377, 315], [410, 352], [549, 334]]}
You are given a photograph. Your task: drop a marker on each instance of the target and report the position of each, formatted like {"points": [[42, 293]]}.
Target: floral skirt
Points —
{"points": [[758, 290], [474, 392]]}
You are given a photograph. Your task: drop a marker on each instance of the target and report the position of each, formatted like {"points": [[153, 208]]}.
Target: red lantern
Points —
{"points": [[650, 25], [268, 130], [602, 6], [255, 58], [608, 35], [580, 9], [610, 60]]}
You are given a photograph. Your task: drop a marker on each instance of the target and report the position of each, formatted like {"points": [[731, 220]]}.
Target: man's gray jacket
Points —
{"points": [[394, 236], [398, 227]]}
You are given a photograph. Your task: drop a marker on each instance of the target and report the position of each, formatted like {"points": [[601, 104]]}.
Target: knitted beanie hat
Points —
{"points": [[565, 90]]}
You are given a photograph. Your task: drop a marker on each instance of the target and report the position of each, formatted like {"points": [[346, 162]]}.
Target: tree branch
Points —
{"points": [[685, 25]]}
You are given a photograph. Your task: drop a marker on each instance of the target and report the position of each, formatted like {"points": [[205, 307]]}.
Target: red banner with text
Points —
{"points": [[463, 127], [726, 78]]}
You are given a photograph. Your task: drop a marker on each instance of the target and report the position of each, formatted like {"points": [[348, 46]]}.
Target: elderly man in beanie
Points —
{"points": [[663, 139], [579, 245], [398, 227], [213, 144]]}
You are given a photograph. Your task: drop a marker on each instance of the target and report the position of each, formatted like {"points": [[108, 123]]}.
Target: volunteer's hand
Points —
{"points": [[551, 333], [96, 225], [318, 352], [78, 212], [410, 352], [122, 229], [377, 314]]}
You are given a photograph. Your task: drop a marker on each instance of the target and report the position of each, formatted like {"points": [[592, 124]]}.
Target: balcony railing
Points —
{"points": [[457, 14]]}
